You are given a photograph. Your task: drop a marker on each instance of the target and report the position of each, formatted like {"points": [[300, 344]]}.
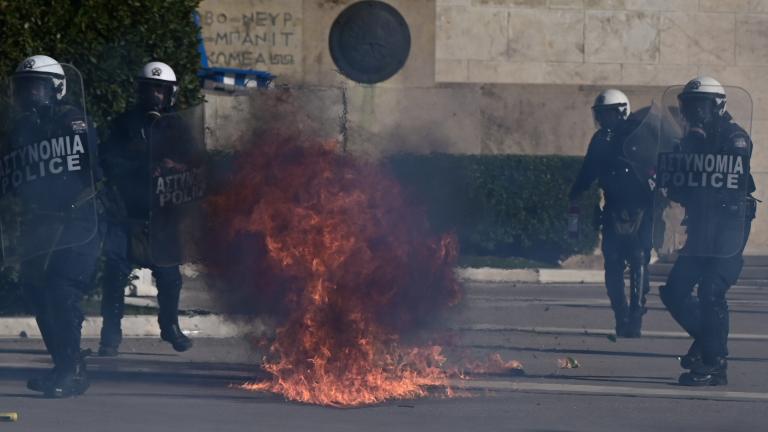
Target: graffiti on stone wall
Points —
{"points": [[256, 34]]}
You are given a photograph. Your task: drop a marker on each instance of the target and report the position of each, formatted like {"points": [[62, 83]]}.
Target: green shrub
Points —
{"points": [[503, 205], [107, 41]]}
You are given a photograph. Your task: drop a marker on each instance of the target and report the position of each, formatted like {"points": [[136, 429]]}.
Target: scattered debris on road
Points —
{"points": [[9, 417], [568, 363]]}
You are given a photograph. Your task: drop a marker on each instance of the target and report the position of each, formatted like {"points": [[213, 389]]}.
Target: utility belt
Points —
{"points": [[622, 221]]}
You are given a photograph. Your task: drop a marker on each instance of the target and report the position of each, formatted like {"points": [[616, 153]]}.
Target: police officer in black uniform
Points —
{"points": [[626, 218], [718, 223], [127, 160], [60, 233]]}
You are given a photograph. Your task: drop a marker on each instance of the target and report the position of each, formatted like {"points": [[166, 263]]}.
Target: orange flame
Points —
{"points": [[330, 244], [493, 364]]}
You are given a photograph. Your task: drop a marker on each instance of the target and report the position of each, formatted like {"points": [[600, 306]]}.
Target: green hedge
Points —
{"points": [[503, 205], [106, 40]]}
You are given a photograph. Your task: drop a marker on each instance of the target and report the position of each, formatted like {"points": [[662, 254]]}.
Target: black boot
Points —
{"points": [[112, 307], [111, 337], [635, 318], [638, 285], [173, 335], [63, 381], [168, 293], [108, 351], [634, 325], [67, 383], [706, 374], [40, 383], [620, 316], [622, 326], [693, 358]]}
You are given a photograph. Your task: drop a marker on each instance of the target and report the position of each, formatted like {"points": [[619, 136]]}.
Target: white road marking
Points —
{"points": [[598, 332], [676, 393]]}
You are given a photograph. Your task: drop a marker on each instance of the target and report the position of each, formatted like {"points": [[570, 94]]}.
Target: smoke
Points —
{"points": [[296, 210], [326, 245]]}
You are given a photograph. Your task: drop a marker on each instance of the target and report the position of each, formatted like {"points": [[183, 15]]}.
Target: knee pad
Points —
{"points": [[714, 300]]}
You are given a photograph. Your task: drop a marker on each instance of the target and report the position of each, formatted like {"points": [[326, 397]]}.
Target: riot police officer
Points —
{"points": [[58, 241], [128, 165], [718, 222], [626, 217]]}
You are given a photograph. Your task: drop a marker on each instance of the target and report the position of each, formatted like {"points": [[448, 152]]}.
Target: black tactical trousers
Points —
{"points": [[704, 316], [618, 252], [54, 285], [117, 269]]}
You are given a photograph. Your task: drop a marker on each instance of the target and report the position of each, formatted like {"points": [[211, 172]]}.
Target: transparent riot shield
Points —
{"points": [[641, 147], [47, 190], [178, 186], [702, 177]]}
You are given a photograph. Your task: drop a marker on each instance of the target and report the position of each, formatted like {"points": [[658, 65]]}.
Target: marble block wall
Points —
{"points": [[649, 44], [497, 76]]}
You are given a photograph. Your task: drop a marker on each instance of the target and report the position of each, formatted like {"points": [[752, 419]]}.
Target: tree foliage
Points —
{"points": [[107, 41]]}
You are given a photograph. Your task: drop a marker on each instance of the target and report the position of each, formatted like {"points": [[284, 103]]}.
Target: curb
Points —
{"points": [[545, 276], [136, 326]]}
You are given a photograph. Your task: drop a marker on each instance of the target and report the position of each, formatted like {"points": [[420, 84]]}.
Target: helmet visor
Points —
{"points": [[154, 95], [607, 116], [32, 91], [698, 109]]}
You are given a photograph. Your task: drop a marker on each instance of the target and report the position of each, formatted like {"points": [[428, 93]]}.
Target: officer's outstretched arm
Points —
{"points": [[588, 172]]}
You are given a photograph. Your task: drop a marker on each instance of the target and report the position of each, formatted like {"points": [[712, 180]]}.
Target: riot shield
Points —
{"points": [[702, 178], [47, 190], [179, 182], [641, 147]]}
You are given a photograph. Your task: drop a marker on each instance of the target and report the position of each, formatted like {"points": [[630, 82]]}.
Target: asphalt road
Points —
{"points": [[620, 385]]}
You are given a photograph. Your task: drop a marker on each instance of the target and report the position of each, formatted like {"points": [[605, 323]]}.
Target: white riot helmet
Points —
{"points": [[160, 74], [702, 99], [37, 81], [613, 98], [610, 108]]}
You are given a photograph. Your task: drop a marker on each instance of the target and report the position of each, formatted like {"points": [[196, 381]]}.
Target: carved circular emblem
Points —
{"points": [[370, 41], [29, 64], [156, 72]]}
